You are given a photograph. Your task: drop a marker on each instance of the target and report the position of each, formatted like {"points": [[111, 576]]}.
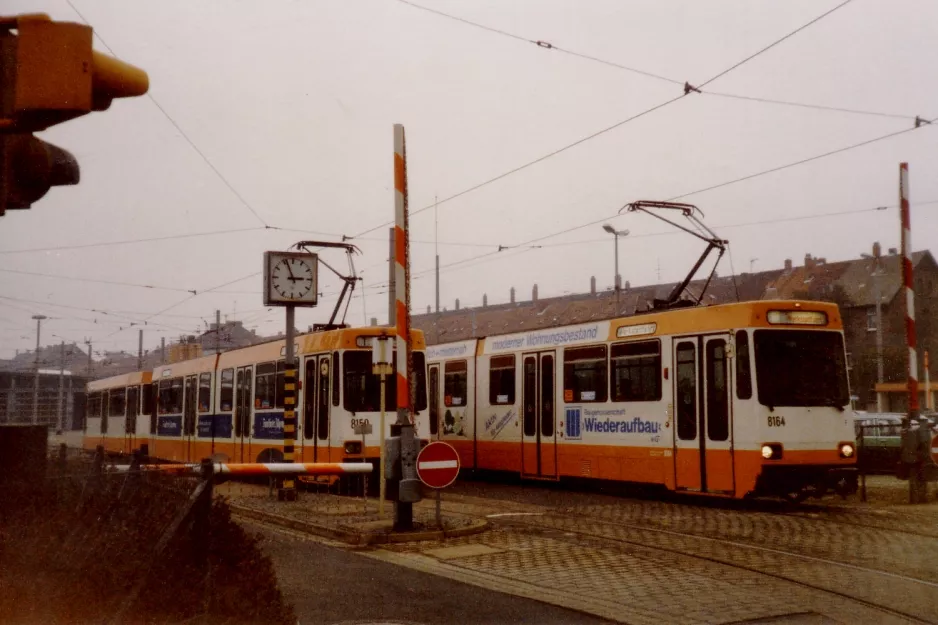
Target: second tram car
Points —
{"points": [[229, 406], [730, 400]]}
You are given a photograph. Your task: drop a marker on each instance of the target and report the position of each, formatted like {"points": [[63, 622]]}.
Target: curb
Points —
{"points": [[353, 537]]}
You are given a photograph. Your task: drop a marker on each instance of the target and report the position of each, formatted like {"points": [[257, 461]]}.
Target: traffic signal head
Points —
{"points": [[51, 73], [29, 167]]}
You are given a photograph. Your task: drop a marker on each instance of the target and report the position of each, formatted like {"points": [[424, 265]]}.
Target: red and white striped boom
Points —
{"points": [[401, 271], [258, 468]]}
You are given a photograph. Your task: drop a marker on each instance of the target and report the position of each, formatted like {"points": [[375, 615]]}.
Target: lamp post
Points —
{"points": [[875, 276], [38, 319], [618, 278]]}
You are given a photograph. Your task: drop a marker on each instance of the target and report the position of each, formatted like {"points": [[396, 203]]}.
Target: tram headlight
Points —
{"points": [[772, 451], [846, 450]]}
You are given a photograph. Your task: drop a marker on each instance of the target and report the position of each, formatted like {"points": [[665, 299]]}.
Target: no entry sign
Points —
{"points": [[437, 465]]}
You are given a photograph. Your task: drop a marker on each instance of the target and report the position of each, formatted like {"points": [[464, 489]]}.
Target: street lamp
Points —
{"points": [[874, 276], [618, 278], [38, 319]]}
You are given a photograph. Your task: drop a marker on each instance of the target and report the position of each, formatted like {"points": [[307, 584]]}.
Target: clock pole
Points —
{"points": [[287, 490]]}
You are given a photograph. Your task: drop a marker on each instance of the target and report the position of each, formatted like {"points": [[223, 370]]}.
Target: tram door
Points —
{"points": [[539, 432], [130, 425], [188, 416], [316, 407], [703, 443], [242, 415]]}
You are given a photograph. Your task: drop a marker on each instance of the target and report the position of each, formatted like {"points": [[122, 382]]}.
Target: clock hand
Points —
{"points": [[290, 269]]}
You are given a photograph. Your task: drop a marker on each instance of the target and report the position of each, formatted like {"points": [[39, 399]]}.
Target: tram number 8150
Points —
{"points": [[776, 421]]}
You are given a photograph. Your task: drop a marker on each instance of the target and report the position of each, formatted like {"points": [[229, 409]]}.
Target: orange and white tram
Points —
{"points": [[729, 400], [229, 406], [116, 412]]}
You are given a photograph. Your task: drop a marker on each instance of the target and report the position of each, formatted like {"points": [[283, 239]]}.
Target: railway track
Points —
{"points": [[563, 531]]}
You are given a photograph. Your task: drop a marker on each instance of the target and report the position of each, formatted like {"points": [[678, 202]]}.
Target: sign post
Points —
{"points": [[438, 467], [290, 280], [381, 365]]}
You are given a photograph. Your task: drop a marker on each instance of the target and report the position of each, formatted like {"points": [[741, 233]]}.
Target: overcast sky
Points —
{"points": [[293, 104]]}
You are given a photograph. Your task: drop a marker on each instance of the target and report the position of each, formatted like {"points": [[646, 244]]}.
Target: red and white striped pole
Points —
{"points": [[908, 287], [408, 488]]}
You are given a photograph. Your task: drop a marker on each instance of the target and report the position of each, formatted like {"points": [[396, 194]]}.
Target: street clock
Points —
{"points": [[291, 279]]}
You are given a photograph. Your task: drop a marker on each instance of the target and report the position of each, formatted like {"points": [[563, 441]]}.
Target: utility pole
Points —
{"points": [[38, 319], [90, 362], [877, 274], [61, 417], [217, 331], [140, 350], [162, 350], [436, 247], [618, 278]]}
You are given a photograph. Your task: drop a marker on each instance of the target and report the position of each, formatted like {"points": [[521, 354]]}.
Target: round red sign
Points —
{"points": [[437, 465]]}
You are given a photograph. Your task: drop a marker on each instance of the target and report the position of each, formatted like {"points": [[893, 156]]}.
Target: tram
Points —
{"points": [[229, 406], [730, 400]]}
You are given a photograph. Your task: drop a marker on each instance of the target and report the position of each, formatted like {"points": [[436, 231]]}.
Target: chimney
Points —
{"points": [[512, 295], [808, 261], [893, 251], [787, 265], [457, 303], [485, 300], [592, 285], [628, 285], [877, 250], [428, 309], [374, 320], [534, 294]]}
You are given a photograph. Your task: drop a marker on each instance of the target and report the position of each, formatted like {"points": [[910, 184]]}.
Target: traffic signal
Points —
{"points": [[50, 74]]}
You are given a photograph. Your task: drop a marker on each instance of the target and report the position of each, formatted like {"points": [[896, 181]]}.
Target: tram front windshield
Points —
{"points": [[800, 368]]}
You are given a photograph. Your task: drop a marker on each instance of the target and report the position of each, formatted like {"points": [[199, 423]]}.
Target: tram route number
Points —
{"points": [[776, 421]]}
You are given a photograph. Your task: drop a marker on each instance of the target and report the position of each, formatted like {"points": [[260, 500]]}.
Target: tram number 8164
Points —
{"points": [[776, 421]]}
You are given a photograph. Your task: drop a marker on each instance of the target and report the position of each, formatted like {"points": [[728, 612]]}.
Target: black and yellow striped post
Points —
{"points": [[287, 490]]}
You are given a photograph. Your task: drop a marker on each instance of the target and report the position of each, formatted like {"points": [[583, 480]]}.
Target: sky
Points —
{"points": [[271, 122]]}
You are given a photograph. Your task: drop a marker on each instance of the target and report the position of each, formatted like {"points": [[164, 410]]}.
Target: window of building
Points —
{"points": [[743, 367], [226, 391], [205, 392], [502, 380], [636, 371], [585, 377], [170, 396], [455, 383], [871, 319]]}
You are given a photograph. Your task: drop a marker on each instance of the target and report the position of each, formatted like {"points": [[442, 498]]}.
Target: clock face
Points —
{"points": [[291, 278]]}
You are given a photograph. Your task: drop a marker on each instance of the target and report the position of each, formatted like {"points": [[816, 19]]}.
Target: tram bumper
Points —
{"points": [[797, 482]]}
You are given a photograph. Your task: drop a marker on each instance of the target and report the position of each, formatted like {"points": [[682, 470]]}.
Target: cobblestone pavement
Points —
{"points": [[686, 560]]}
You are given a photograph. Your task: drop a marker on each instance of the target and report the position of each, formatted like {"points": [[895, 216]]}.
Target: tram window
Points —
{"points": [[170, 396], [278, 384], [363, 387], [239, 419], [226, 392], [265, 378], [636, 371], [502, 380], [585, 374], [743, 371], [146, 399], [686, 391], [718, 420], [309, 399], [104, 411], [323, 425], [117, 402], [335, 378], [530, 396], [205, 392], [800, 368], [133, 404], [547, 396], [434, 391], [455, 383], [420, 380]]}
